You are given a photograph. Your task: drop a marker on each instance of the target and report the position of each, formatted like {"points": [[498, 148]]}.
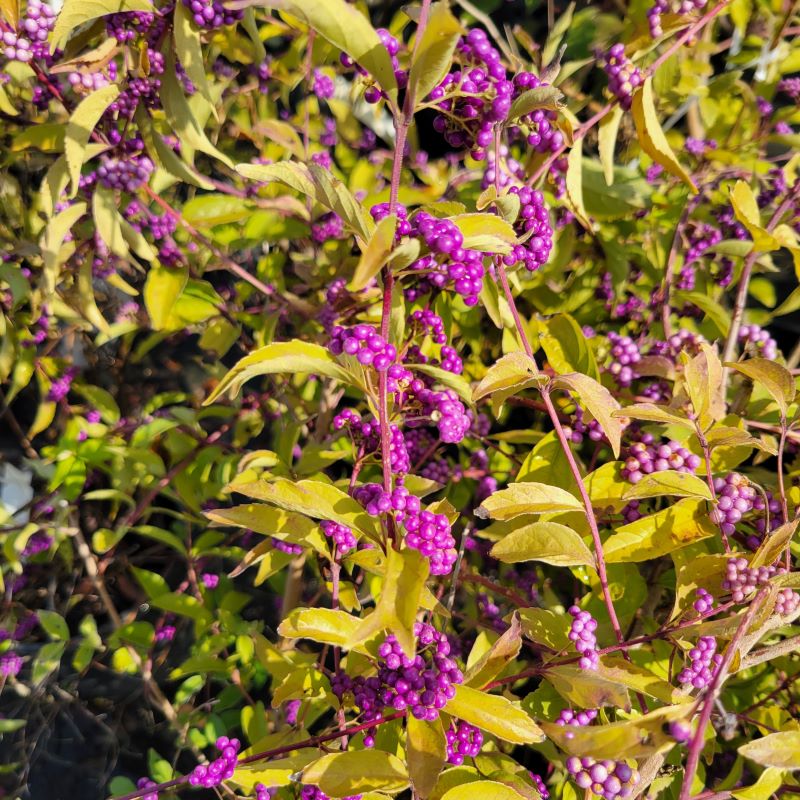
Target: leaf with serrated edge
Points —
{"points": [[599, 402], [495, 715], [656, 535], [775, 378], [355, 772], [527, 498], [549, 542]]}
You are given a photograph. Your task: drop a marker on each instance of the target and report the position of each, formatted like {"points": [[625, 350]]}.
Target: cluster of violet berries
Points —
{"points": [[623, 76], [365, 343], [569, 716], [125, 175], [759, 341], [662, 7], [367, 434], [212, 14], [735, 498], [702, 664], [581, 632], [532, 225], [146, 783], [30, 41], [221, 768], [607, 779], [741, 580], [463, 741], [341, 535], [625, 355], [372, 94], [645, 457], [309, 792]]}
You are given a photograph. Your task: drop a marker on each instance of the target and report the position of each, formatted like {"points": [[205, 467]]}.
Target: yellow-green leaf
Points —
{"points": [[433, 54], [375, 254], [774, 377], [187, 46], [574, 184], [485, 232], [52, 240], [549, 542], [651, 136], [669, 482], [511, 373], [745, 206], [107, 221], [77, 12], [295, 357], [495, 715], [326, 625], [781, 750], [162, 289], [527, 498], [607, 139], [357, 771], [426, 753], [80, 126], [656, 535], [482, 790]]}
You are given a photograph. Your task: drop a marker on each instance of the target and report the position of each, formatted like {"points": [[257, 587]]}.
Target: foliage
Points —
{"points": [[391, 411]]}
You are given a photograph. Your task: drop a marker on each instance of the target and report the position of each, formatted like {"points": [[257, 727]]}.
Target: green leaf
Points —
{"points": [[549, 542], [181, 117], [47, 661], [313, 499], [295, 357], [587, 688], [163, 287], [669, 482], [510, 374], [482, 790], [745, 207], [633, 738], [325, 625], [347, 29], [399, 602], [702, 380], [187, 46], [426, 753], [184, 605], [107, 221], [545, 627], [357, 771], [769, 781], [651, 136], [606, 487], [504, 650], [781, 750], [81, 124], [433, 54], [486, 232], [77, 12], [599, 402], [53, 238], [607, 139], [775, 378], [658, 534], [495, 715], [542, 97], [271, 773], [153, 584], [54, 624], [375, 254], [527, 498], [574, 185], [566, 347], [455, 382], [207, 210]]}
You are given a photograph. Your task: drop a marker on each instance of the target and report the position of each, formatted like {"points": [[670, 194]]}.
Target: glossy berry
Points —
{"points": [[365, 343], [463, 741], [146, 783], [341, 535], [606, 779], [623, 77], [703, 660], [581, 632], [624, 356], [221, 768]]}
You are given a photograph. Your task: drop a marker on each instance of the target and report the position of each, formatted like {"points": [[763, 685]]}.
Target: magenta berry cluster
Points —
{"points": [[309, 792], [581, 632], [742, 580], [623, 77], [625, 354], [607, 779], [645, 457], [735, 498], [661, 7], [569, 716], [341, 535], [703, 661], [758, 341], [146, 783], [704, 602], [212, 13], [533, 227], [221, 768], [372, 94], [365, 343], [463, 741]]}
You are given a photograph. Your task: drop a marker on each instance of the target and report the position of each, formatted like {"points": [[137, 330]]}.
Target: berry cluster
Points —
{"points": [[703, 662], [662, 7], [644, 457], [146, 783], [570, 717], [463, 741], [327, 227], [578, 429], [60, 387], [582, 633], [212, 14], [221, 768], [758, 341], [623, 76], [368, 435], [447, 412], [365, 343], [532, 226], [624, 355], [10, 665], [342, 536], [210, 580], [607, 779], [542, 134], [540, 786], [315, 793], [448, 263], [735, 498], [704, 604], [323, 86], [264, 792], [741, 581], [372, 94]]}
